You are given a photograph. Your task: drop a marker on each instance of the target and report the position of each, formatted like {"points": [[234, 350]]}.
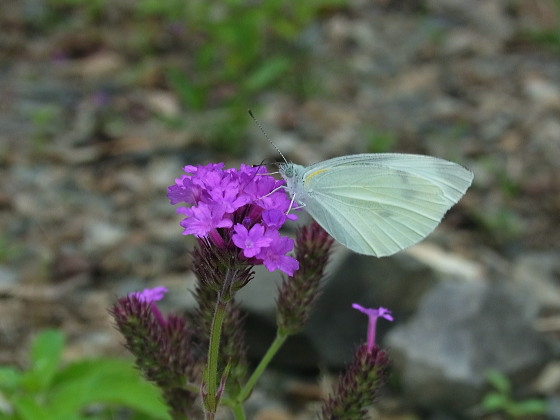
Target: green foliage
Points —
{"points": [[242, 44], [548, 36], [379, 141], [240, 50], [44, 121], [502, 223], [510, 187], [165, 9], [9, 249], [230, 50], [93, 10], [499, 218], [501, 399], [190, 94], [49, 391]]}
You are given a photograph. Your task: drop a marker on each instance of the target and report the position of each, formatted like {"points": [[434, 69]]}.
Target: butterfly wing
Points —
{"points": [[379, 204]]}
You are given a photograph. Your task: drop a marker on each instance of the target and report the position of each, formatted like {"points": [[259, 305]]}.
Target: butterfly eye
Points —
{"points": [[288, 170]]}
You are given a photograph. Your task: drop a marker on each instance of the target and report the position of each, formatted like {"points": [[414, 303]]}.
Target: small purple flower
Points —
{"points": [[250, 241], [274, 257], [236, 210], [373, 315], [274, 218], [203, 219], [151, 296]]}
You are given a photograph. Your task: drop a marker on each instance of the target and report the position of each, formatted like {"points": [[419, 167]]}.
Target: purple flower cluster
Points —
{"points": [[235, 209]]}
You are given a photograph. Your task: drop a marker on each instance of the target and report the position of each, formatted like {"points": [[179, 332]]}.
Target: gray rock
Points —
{"points": [[553, 407], [334, 329], [101, 234], [536, 274], [8, 278], [396, 283], [461, 331]]}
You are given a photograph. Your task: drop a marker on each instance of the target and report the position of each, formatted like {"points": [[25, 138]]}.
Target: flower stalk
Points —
{"points": [[211, 395], [261, 367]]}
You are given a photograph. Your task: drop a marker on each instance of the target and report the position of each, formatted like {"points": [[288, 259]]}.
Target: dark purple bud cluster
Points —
{"points": [[297, 294], [161, 346]]}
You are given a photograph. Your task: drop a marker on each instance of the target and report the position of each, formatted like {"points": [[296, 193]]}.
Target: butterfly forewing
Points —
{"points": [[453, 179], [378, 204]]}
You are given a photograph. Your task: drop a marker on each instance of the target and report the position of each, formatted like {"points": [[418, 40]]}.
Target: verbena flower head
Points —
{"points": [[236, 209], [363, 377], [358, 386], [163, 346]]}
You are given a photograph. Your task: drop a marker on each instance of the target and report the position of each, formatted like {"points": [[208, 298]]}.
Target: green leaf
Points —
{"points": [[9, 377], [495, 402], [527, 407], [266, 74], [46, 351], [190, 95], [379, 141], [26, 408], [111, 381], [499, 381]]}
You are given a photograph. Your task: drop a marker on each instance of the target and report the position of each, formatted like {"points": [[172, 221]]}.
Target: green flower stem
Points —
{"points": [[272, 350], [211, 398], [236, 408]]}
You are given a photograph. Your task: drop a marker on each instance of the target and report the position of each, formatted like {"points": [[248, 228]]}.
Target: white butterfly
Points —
{"points": [[378, 203]]}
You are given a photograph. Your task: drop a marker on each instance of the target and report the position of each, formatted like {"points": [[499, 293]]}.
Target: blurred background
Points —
{"points": [[103, 102]]}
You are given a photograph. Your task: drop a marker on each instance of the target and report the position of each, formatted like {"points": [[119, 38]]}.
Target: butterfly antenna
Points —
{"points": [[266, 135]]}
